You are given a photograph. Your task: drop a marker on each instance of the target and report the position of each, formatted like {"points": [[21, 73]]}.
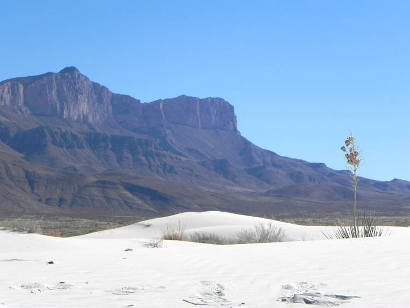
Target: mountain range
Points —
{"points": [[69, 146]]}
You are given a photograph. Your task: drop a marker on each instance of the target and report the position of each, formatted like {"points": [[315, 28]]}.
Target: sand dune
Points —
{"points": [[113, 268]]}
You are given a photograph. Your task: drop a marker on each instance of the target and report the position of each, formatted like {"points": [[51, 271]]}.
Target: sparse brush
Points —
{"points": [[174, 232], [57, 226], [22, 225], [207, 238], [246, 236], [262, 233]]}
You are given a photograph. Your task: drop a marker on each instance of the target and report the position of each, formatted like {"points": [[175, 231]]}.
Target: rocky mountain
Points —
{"points": [[69, 146]]}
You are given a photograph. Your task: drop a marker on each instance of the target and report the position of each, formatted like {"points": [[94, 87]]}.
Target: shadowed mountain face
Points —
{"points": [[70, 146]]}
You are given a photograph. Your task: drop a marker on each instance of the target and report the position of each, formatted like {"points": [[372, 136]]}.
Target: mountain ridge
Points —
{"points": [[67, 123]]}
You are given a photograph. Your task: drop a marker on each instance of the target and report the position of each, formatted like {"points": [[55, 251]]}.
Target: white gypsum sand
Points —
{"points": [[114, 268]]}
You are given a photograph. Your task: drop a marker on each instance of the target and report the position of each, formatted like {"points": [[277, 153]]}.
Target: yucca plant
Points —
{"points": [[366, 226], [353, 162]]}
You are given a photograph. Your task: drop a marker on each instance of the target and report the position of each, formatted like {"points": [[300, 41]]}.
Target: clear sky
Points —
{"points": [[301, 74]]}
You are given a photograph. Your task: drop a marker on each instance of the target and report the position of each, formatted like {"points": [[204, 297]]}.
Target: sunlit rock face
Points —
{"points": [[208, 113], [72, 96], [68, 95], [11, 93]]}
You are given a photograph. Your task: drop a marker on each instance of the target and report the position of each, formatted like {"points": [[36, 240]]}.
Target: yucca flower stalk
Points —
{"points": [[353, 162]]}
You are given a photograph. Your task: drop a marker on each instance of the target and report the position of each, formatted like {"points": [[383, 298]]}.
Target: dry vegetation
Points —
{"points": [[174, 232], [261, 233], [61, 227], [364, 225]]}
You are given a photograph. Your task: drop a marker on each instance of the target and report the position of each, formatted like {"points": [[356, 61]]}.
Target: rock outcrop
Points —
{"points": [[67, 95]]}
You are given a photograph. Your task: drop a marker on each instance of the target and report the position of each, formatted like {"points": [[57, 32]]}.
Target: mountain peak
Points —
{"points": [[69, 70], [67, 95]]}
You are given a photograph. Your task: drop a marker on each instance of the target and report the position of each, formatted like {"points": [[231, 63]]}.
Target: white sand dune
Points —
{"points": [[95, 270]]}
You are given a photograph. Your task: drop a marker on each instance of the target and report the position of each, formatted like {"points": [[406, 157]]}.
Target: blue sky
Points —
{"points": [[301, 74]]}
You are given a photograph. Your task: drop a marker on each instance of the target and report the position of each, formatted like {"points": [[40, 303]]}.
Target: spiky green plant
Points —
{"points": [[366, 227]]}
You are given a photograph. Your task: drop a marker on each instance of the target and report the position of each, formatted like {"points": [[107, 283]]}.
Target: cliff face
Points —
{"points": [[62, 125], [12, 94], [208, 113], [67, 95]]}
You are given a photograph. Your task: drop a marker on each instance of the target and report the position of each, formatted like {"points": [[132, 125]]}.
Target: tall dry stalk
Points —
{"points": [[353, 162]]}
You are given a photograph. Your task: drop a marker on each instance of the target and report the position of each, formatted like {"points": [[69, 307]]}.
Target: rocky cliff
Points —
{"points": [[67, 95], [62, 126], [70, 95]]}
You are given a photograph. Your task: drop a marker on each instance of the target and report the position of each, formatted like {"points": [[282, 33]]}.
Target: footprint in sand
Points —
{"points": [[33, 287], [13, 260], [36, 287], [308, 293], [131, 290], [210, 294], [61, 286]]}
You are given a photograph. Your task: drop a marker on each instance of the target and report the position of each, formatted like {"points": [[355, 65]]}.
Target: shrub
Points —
{"points": [[174, 232], [207, 238], [261, 233]]}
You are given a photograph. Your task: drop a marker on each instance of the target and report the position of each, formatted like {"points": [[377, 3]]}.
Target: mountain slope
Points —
{"points": [[90, 151]]}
